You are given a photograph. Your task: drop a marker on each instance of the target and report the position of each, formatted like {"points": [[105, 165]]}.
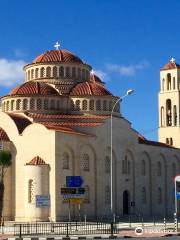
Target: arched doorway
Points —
{"points": [[126, 201]]}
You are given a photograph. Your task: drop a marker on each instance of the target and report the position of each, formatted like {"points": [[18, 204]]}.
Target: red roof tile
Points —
{"points": [[36, 161], [35, 88], [87, 124], [89, 89], [20, 121], [57, 56], [3, 136], [170, 65], [143, 140]]}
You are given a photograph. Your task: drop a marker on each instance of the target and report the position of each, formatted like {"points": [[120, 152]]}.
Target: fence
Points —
{"points": [[73, 228]]}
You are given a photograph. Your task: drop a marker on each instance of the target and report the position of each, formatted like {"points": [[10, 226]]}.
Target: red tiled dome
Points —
{"points": [[3, 136], [35, 88], [89, 89], [57, 56], [36, 161]]}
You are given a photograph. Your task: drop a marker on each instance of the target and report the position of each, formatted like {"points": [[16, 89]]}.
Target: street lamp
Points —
{"points": [[129, 92]]}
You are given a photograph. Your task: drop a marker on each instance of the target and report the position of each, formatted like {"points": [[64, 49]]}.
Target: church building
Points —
{"points": [[58, 124]]}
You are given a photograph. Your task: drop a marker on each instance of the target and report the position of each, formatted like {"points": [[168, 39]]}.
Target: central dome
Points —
{"points": [[57, 56]]}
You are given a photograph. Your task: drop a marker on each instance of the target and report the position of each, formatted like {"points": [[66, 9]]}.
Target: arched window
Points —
{"points": [[25, 104], [18, 104], [31, 196], [143, 168], [107, 195], [68, 75], [79, 73], [48, 72], [32, 103], [39, 104], [29, 75], [72, 105], [171, 141], [144, 197], [65, 160], [78, 105], [52, 104], [174, 83], [159, 169], [7, 106], [175, 115], [168, 81], [107, 164], [87, 194], [84, 105], [168, 112], [45, 104], [159, 195], [173, 169], [74, 72], [32, 73], [91, 105], [61, 72], [98, 105], [167, 140], [37, 73], [55, 72], [83, 74], [12, 105], [162, 117], [85, 162], [104, 105], [42, 72]]}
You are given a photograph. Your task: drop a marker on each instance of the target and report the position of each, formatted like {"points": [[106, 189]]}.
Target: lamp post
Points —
{"points": [[129, 92]]}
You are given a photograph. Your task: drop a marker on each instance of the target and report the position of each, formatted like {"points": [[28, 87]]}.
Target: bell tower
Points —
{"points": [[169, 104]]}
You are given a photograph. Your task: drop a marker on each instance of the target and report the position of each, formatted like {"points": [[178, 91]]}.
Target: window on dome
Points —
{"points": [[98, 105], [52, 104], [29, 75], [85, 162], [105, 105], [32, 73], [39, 104], [79, 73], [7, 106], [48, 72], [25, 104], [32, 103], [91, 105], [55, 72], [12, 105], [74, 72], [42, 72], [84, 105], [77, 105], [18, 104], [61, 72], [107, 195], [68, 75], [37, 73], [83, 74], [46, 104]]}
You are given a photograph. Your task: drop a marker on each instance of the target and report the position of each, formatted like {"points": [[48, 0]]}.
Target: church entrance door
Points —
{"points": [[126, 202]]}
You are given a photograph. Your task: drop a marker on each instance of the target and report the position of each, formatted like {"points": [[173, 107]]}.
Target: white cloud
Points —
{"points": [[11, 72], [101, 74], [127, 70]]}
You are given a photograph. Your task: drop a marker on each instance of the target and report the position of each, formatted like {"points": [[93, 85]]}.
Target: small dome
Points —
{"points": [[89, 89], [34, 88], [36, 161], [3, 136], [57, 56], [95, 78]]}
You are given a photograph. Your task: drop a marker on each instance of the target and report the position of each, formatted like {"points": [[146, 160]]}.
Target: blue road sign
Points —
{"points": [[178, 195], [42, 201], [74, 181]]}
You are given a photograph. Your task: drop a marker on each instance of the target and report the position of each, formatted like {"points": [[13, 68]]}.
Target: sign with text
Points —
{"points": [[68, 190], [74, 181], [42, 201]]}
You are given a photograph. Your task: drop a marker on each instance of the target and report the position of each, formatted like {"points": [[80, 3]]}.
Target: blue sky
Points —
{"points": [[127, 42]]}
